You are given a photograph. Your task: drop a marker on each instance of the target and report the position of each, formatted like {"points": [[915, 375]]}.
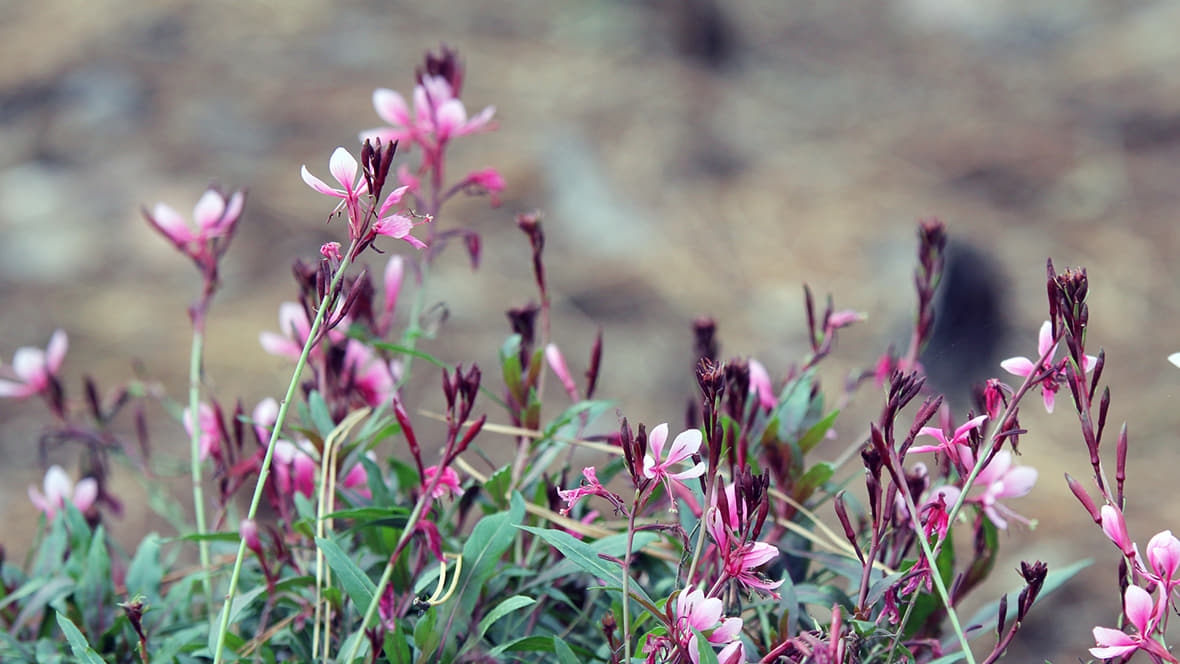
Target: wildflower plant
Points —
{"points": [[335, 523]]}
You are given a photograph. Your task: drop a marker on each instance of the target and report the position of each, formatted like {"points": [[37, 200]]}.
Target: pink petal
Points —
{"points": [[1112, 638], [655, 440], [11, 389], [1018, 366], [936, 433], [1018, 482], [209, 210], [451, 116], [1049, 396], [480, 121], [1140, 608], [318, 184], [922, 449], [29, 364], [1045, 339], [758, 554], [264, 416], [383, 135], [85, 493], [39, 501], [727, 631], [391, 107], [968, 426], [685, 445], [56, 352], [279, 345], [705, 614], [343, 167], [173, 225], [695, 471], [58, 485]]}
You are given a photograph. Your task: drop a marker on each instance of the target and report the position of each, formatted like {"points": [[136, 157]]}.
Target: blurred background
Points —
{"points": [[692, 157]]}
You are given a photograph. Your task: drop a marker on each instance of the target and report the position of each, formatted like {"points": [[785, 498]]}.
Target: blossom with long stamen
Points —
{"points": [[1023, 366], [33, 369], [590, 487], [945, 444], [739, 558], [659, 467], [1000, 479], [345, 169]]}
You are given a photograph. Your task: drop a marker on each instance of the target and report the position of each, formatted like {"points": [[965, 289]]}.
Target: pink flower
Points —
{"points": [[331, 251], [761, 386], [1163, 554], [438, 115], [936, 508], [344, 168], [1144, 615], [487, 181], [214, 214], [210, 430], [1116, 529], [556, 362], [33, 369], [959, 437], [1000, 479], [844, 318], [447, 484], [398, 226], [590, 487], [295, 467], [658, 467], [739, 558], [59, 489], [294, 328], [1023, 367], [374, 378], [693, 610], [357, 478]]}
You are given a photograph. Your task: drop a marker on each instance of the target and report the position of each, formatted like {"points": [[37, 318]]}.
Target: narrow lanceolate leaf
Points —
{"points": [[502, 609], [490, 538], [78, 644], [356, 583], [586, 558]]}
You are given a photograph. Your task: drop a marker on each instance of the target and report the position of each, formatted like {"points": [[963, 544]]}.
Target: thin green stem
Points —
{"points": [[264, 471], [627, 578], [194, 405]]}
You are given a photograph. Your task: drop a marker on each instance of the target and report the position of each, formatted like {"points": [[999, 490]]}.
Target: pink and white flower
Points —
{"points": [[1000, 479], [344, 168], [1023, 366], [948, 445], [448, 484], [33, 369], [658, 466], [59, 488], [761, 386], [692, 610], [1144, 614], [739, 558], [214, 216], [209, 439]]}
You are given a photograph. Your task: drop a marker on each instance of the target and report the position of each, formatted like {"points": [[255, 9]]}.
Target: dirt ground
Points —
{"points": [[691, 157]]}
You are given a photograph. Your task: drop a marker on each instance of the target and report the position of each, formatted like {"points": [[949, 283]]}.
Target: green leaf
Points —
{"points": [[502, 609], [356, 583], [206, 537], [91, 593], [705, 652], [586, 558], [611, 545], [565, 655], [78, 644], [490, 538], [497, 486], [426, 637], [321, 417], [397, 647], [145, 572], [525, 644], [239, 604], [813, 479], [817, 432]]}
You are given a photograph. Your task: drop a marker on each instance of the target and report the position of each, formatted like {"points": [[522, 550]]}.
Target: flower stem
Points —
{"points": [[264, 471], [194, 404]]}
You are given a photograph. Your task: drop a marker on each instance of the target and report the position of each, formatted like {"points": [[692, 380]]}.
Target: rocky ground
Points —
{"points": [[691, 158]]}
